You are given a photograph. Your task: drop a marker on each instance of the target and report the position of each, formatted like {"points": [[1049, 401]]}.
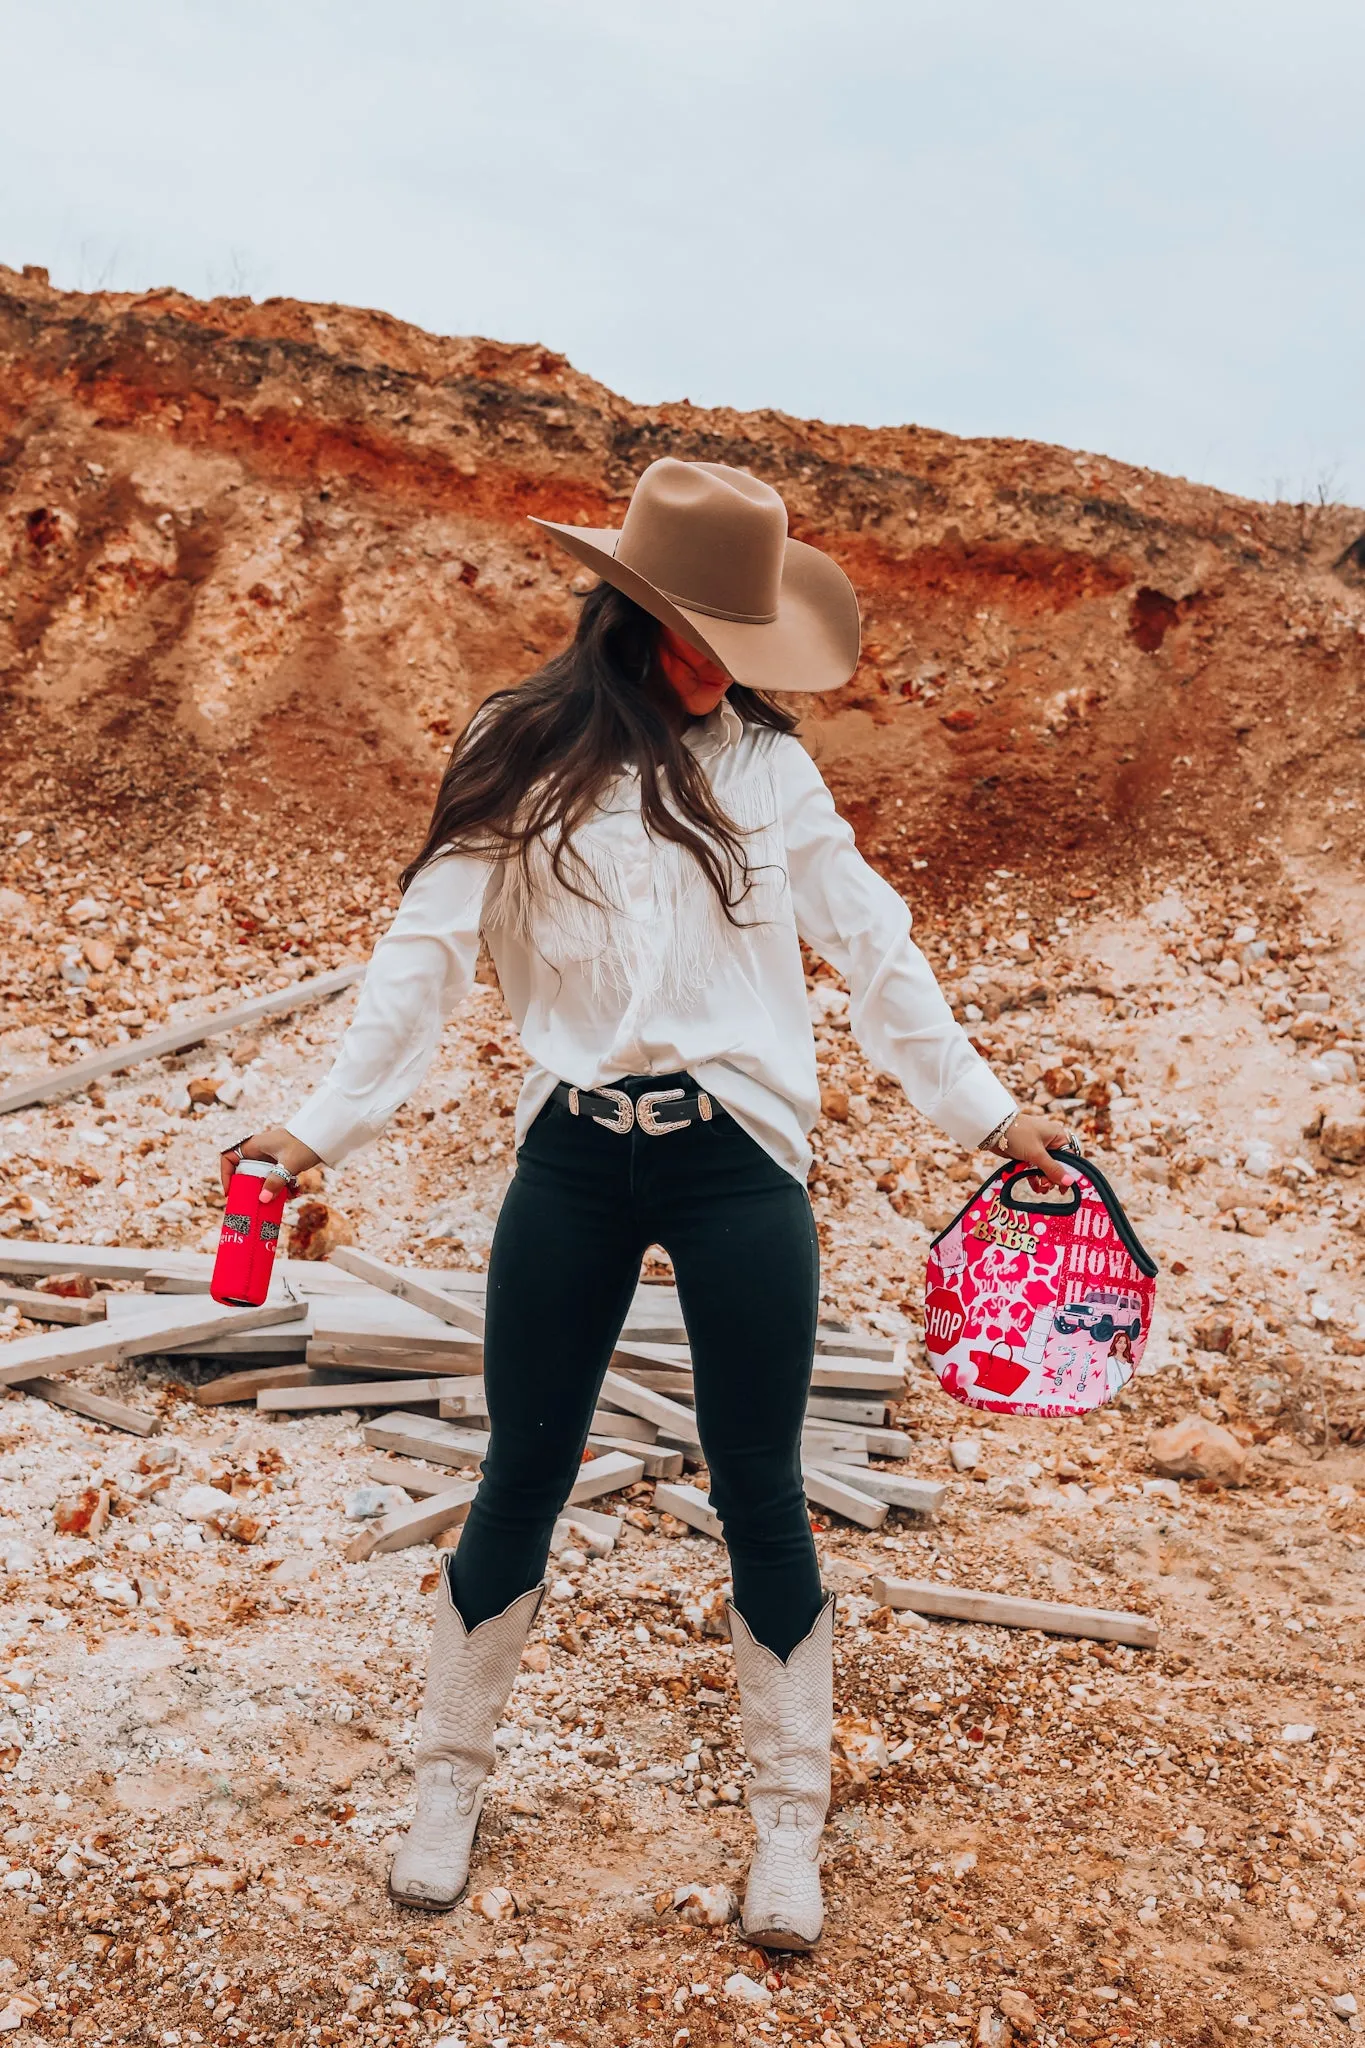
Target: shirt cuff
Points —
{"points": [[327, 1124], [970, 1111]]}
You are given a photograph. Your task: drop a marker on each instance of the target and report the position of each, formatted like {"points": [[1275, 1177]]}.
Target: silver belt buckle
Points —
{"points": [[647, 1118], [624, 1118]]}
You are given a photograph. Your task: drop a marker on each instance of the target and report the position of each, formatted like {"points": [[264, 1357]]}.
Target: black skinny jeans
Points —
{"points": [[584, 1207]]}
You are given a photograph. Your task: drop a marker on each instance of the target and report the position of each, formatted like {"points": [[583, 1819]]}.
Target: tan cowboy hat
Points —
{"points": [[704, 548]]}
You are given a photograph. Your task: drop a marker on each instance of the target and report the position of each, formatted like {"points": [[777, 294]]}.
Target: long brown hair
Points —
{"points": [[533, 761]]}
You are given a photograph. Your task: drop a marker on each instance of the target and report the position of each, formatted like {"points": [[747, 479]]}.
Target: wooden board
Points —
{"points": [[418, 1436], [1003, 1610], [350, 1394], [855, 1344], [470, 1401], [897, 1489], [52, 1308], [135, 1051], [306, 1276], [690, 1505], [659, 1462], [841, 1498], [402, 1472], [411, 1286], [669, 1416], [824, 1450], [669, 1366], [25, 1358], [606, 1528], [120, 1307], [113, 1414], [616, 1422], [888, 1443], [854, 1409], [426, 1362], [420, 1523], [606, 1474], [383, 1325], [245, 1386], [270, 1346], [100, 1261]]}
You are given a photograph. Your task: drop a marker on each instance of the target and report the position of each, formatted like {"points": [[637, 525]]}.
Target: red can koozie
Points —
{"points": [[250, 1233]]}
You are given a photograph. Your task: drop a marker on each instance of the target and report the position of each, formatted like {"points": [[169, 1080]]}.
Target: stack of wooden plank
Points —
{"points": [[361, 1333]]}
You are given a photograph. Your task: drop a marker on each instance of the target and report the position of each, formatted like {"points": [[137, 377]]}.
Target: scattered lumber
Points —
{"points": [[888, 1443], [602, 1528], [410, 1286], [100, 1261], [690, 1505], [831, 1343], [52, 1308], [897, 1489], [402, 1472], [616, 1422], [837, 1494], [669, 1416], [25, 1358], [606, 1474], [857, 1376], [351, 1394], [877, 1443], [418, 1524], [270, 1338], [824, 1451], [1003, 1610], [380, 1322], [97, 1407], [418, 1436], [854, 1409], [245, 1386], [829, 1377], [423, 1363], [189, 1031], [469, 1401], [305, 1276], [658, 1460]]}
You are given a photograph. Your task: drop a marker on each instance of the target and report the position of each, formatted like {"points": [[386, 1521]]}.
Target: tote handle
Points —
{"points": [[1052, 1201]]}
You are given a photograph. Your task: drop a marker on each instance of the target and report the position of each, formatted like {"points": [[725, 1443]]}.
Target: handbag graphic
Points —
{"points": [[1038, 1302]]}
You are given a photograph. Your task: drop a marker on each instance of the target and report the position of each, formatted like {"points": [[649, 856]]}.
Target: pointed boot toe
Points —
{"points": [[431, 1867], [783, 1909]]}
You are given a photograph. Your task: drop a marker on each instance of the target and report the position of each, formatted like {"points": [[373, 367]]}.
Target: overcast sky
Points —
{"points": [[1136, 228]]}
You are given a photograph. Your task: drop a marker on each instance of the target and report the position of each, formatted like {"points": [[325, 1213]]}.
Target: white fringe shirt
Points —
{"points": [[652, 979]]}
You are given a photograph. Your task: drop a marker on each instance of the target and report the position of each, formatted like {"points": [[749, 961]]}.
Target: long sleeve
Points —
{"points": [[419, 970], [857, 922]]}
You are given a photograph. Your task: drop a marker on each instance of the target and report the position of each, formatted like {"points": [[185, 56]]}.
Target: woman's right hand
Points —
{"points": [[277, 1144]]}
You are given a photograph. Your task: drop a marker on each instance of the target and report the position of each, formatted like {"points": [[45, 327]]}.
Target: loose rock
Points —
{"points": [[1195, 1448]]}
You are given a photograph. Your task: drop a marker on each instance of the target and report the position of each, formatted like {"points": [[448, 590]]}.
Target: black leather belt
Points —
{"points": [[685, 1107]]}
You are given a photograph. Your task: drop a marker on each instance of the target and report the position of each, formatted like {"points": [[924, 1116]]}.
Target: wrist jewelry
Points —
{"points": [[994, 1141]]}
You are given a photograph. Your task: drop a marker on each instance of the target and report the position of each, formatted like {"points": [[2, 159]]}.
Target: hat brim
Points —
{"points": [[812, 644]]}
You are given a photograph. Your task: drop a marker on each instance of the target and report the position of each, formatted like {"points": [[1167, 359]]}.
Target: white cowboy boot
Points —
{"points": [[788, 1714], [469, 1677]]}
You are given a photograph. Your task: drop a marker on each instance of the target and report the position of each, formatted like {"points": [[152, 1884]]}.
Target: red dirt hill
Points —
{"points": [[261, 561]]}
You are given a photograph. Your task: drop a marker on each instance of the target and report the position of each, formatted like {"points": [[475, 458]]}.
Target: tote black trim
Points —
{"points": [[1118, 1215]]}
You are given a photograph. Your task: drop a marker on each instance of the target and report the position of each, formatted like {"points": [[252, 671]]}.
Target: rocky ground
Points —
{"points": [[206, 1744]]}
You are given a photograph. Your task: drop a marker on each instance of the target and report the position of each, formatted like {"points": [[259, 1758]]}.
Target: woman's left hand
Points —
{"points": [[1028, 1139]]}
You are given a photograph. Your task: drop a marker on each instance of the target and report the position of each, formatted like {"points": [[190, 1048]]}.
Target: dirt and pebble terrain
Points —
{"points": [[259, 563]]}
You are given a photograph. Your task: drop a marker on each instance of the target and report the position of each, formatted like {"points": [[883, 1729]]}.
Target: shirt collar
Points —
{"points": [[723, 729]]}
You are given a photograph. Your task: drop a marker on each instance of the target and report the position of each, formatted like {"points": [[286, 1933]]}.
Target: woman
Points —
{"points": [[642, 840]]}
